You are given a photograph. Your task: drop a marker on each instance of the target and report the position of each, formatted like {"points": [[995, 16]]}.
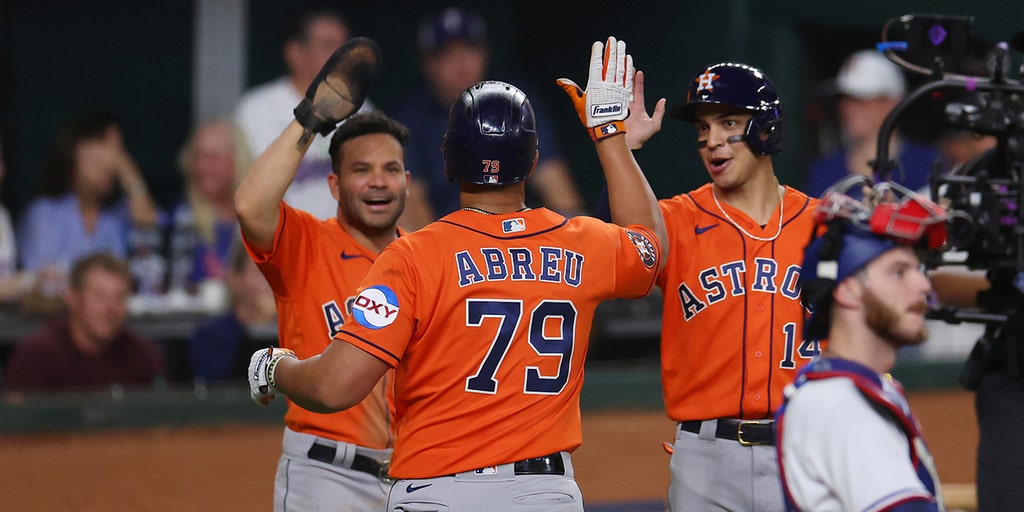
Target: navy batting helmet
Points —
{"points": [[740, 85], [491, 137], [856, 232]]}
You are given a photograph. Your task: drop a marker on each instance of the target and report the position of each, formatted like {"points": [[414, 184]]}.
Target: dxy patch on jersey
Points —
{"points": [[375, 307]]}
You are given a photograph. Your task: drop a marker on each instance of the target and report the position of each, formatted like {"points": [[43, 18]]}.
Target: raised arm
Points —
{"points": [[602, 108], [336, 93], [259, 195]]}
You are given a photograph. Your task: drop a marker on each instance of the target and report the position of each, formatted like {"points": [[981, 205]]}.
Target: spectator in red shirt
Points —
{"points": [[89, 348]]}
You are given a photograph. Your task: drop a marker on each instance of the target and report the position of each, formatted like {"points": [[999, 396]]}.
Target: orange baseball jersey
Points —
{"points": [[487, 319], [732, 321], [314, 267]]}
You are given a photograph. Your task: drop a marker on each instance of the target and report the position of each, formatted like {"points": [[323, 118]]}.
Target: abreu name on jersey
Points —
{"points": [[720, 282], [536, 264]]}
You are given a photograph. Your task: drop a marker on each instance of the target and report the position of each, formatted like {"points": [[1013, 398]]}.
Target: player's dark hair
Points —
{"points": [[298, 28], [364, 124]]}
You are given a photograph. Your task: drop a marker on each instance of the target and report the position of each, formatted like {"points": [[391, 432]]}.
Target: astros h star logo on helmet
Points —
{"points": [[705, 82]]}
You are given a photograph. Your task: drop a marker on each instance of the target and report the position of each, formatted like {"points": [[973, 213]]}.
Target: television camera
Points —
{"points": [[984, 195]]}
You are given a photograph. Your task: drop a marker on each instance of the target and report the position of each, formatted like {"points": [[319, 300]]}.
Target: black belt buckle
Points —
{"points": [[546, 465], [382, 472]]}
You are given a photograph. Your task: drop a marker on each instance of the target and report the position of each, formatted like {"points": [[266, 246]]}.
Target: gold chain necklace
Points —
{"points": [[782, 213]]}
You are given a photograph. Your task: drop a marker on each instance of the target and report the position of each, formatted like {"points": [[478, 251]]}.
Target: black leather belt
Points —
{"points": [[546, 465], [747, 433], [325, 453]]}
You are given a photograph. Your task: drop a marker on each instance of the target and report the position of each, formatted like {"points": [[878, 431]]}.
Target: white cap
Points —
{"points": [[867, 74]]}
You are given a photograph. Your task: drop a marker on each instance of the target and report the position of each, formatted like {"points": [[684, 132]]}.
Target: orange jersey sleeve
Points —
{"points": [[314, 267], [487, 319], [732, 321]]}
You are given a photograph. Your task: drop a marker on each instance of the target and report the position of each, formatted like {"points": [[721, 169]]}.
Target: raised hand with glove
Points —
{"points": [[340, 88], [604, 105]]}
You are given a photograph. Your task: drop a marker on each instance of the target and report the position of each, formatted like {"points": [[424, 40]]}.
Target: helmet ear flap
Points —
{"points": [[815, 293]]}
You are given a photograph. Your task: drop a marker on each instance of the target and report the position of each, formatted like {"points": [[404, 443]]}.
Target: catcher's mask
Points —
{"points": [[850, 233]]}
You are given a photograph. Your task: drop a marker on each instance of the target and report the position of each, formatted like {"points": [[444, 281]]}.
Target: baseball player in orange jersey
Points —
{"points": [[485, 315], [731, 318], [334, 462]]}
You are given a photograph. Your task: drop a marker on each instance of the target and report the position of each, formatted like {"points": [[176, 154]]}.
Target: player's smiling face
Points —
{"points": [[373, 183], [729, 162], [895, 297]]}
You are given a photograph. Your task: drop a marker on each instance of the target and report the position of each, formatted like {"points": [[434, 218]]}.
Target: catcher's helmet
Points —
{"points": [[740, 85], [491, 137], [856, 232]]}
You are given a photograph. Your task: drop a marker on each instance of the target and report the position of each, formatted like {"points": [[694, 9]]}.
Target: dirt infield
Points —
{"points": [[231, 467]]}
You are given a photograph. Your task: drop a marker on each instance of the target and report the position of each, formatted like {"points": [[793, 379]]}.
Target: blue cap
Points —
{"points": [[857, 248], [452, 24]]}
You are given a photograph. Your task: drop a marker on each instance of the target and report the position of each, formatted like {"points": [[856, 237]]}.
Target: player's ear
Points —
{"points": [[334, 183], [847, 293]]}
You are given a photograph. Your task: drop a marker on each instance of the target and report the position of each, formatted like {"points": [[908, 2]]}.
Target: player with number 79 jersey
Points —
{"points": [[499, 323]]}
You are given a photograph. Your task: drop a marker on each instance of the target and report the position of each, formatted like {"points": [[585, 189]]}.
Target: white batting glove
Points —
{"points": [[261, 373], [605, 104]]}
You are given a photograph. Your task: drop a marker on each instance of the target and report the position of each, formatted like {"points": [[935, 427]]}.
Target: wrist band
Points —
{"points": [[273, 365], [607, 130]]}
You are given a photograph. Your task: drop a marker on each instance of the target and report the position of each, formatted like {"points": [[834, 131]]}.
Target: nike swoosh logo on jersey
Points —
{"points": [[698, 230], [350, 256], [414, 488]]}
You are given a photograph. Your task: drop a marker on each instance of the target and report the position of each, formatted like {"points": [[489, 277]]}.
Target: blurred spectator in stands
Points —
{"points": [[867, 88], [90, 346], [219, 349], [12, 284], [454, 55], [264, 111], [204, 228], [92, 198]]}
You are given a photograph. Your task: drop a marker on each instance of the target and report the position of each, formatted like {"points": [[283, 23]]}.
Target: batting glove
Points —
{"points": [[340, 88], [261, 373], [604, 106]]}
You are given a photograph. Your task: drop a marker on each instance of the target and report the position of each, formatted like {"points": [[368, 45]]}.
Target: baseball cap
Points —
{"points": [[452, 24], [857, 248], [867, 74]]}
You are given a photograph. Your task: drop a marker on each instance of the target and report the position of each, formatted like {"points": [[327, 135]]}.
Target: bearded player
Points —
{"points": [[332, 462], [731, 334], [485, 315], [868, 295]]}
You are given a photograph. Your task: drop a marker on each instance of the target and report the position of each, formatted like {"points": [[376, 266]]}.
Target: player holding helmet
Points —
{"points": [[314, 266], [731, 318], [868, 296], [485, 315]]}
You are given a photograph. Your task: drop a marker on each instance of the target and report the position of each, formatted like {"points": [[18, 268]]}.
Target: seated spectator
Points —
{"points": [[12, 284], [867, 88], [454, 55], [264, 111], [90, 347], [93, 195], [203, 225], [220, 349]]}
